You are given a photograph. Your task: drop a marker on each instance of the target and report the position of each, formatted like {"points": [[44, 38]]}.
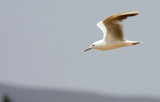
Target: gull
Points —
{"points": [[112, 29]]}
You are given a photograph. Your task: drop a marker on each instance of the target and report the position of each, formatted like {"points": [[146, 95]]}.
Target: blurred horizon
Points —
{"points": [[17, 86], [19, 94]]}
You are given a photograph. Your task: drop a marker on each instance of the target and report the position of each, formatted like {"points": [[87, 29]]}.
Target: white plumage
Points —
{"points": [[112, 29]]}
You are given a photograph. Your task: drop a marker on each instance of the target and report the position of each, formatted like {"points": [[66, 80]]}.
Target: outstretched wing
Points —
{"points": [[103, 28], [113, 26]]}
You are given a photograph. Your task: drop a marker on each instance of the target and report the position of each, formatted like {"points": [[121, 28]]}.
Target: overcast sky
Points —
{"points": [[42, 44]]}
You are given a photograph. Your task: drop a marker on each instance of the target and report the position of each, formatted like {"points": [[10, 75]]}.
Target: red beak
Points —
{"points": [[87, 49]]}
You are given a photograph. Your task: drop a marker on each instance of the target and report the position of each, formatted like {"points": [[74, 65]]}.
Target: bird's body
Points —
{"points": [[113, 33], [109, 45]]}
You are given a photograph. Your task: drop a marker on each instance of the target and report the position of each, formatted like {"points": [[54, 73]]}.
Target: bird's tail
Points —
{"points": [[136, 42]]}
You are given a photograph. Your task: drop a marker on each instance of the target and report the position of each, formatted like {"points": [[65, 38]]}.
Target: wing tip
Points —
{"points": [[133, 12], [98, 24], [128, 14]]}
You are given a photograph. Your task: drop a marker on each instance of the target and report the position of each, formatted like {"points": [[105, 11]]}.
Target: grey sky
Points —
{"points": [[42, 43]]}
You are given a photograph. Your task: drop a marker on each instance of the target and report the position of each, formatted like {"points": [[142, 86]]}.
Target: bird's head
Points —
{"points": [[95, 45]]}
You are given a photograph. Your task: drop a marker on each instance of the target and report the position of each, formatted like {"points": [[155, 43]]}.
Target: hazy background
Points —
{"points": [[42, 44]]}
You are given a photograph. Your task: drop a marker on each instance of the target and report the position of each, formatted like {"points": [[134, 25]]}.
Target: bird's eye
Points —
{"points": [[92, 45]]}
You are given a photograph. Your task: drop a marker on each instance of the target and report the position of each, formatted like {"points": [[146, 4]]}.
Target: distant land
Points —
{"points": [[36, 95]]}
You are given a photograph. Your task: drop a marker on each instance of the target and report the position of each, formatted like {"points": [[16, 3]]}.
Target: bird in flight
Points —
{"points": [[112, 29]]}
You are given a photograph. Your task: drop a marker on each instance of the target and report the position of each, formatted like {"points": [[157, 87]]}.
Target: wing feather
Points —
{"points": [[113, 26], [103, 28]]}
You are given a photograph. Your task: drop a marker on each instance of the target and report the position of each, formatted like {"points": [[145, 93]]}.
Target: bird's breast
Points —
{"points": [[114, 45]]}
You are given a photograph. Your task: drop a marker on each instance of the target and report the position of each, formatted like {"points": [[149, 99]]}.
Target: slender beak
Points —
{"points": [[87, 49]]}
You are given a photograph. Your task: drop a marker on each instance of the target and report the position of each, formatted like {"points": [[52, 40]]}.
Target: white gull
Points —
{"points": [[112, 29]]}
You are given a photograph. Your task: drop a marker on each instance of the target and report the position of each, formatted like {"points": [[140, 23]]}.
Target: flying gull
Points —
{"points": [[112, 29]]}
